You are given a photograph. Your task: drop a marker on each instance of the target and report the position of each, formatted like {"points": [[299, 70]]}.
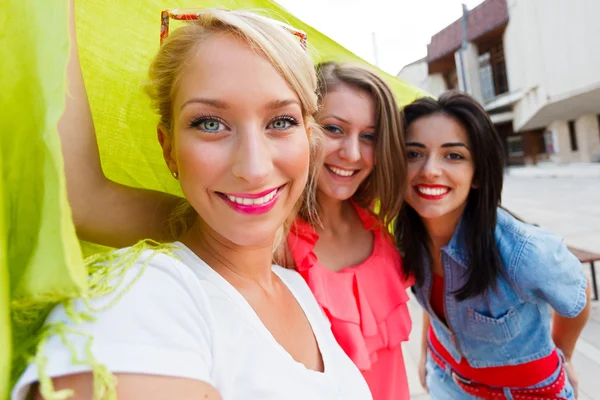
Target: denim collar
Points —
{"points": [[456, 248]]}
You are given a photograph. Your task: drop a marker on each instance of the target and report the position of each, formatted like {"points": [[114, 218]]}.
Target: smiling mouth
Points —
{"points": [[341, 172], [252, 203], [432, 192]]}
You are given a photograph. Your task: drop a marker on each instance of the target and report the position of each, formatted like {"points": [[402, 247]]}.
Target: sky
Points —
{"points": [[401, 28]]}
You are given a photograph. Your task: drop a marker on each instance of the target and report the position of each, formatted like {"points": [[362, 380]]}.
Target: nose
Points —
{"points": [[253, 159], [431, 168], [350, 149]]}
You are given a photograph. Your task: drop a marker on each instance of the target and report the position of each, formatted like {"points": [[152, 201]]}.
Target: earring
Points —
{"points": [[175, 174]]}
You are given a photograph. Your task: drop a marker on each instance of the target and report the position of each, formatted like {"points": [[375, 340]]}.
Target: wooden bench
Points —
{"points": [[588, 257]]}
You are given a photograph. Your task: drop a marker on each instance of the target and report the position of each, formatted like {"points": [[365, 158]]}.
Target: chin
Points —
{"points": [[340, 195], [429, 212], [252, 236]]}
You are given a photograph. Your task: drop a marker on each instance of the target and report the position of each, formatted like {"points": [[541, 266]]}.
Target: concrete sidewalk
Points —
{"points": [[552, 170]]}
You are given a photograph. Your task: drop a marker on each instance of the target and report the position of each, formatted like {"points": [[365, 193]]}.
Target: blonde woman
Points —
{"points": [[347, 252], [215, 319]]}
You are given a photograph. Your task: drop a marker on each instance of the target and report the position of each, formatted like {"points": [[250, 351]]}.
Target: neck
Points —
{"points": [[333, 213], [239, 265], [440, 230]]}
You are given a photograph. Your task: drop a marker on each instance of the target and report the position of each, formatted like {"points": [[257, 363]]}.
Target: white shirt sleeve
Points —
{"points": [[159, 324]]}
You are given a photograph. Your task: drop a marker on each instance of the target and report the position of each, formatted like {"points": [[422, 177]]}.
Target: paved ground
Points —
{"points": [[569, 206]]}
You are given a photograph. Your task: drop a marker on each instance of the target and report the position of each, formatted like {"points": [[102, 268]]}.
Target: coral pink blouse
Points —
{"points": [[366, 305]]}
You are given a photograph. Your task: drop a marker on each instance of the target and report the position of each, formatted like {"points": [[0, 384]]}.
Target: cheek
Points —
{"points": [[369, 155], [292, 158], [330, 146], [202, 163], [412, 170], [467, 175]]}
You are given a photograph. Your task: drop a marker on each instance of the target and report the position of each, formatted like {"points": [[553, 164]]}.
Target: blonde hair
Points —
{"points": [[278, 46], [386, 182]]}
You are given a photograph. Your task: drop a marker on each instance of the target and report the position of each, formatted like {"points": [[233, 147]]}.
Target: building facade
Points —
{"points": [[535, 67]]}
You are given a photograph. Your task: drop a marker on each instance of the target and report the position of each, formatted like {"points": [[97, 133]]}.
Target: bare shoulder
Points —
{"points": [[138, 386]]}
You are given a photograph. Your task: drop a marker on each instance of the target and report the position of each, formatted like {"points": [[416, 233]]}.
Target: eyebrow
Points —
{"points": [[345, 121], [272, 105], [209, 102], [275, 104], [455, 144], [445, 145]]}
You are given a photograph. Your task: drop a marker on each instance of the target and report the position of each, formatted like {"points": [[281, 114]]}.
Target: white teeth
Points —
{"points": [[432, 191], [253, 202], [340, 172]]}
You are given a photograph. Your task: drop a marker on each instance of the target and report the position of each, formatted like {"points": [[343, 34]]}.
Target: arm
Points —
{"points": [[549, 272], [139, 386], [423, 360], [104, 212], [566, 331], [168, 348], [425, 331]]}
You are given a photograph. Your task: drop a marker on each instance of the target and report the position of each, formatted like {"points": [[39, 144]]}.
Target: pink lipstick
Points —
{"points": [[252, 203]]}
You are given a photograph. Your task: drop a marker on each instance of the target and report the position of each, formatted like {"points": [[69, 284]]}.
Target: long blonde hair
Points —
{"points": [[271, 41]]}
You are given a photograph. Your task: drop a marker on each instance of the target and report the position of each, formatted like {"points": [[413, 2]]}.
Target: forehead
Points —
{"points": [[226, 68], [350, 103], [437, 129]]}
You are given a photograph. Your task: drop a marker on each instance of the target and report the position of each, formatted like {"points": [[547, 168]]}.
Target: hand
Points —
{"points": [[572, 376], [423, 371]]}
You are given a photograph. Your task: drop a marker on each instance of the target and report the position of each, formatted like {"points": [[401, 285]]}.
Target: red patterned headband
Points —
{"points": [[187, 14]]}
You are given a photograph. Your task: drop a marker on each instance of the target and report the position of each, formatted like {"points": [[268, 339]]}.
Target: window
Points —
{"points": [[492, 71], [515, 146], [500, 80], [573, 136], [451, 80], [486, 76]]}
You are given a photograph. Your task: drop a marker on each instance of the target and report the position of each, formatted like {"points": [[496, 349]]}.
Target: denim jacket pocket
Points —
{"points": [[494, 330]]}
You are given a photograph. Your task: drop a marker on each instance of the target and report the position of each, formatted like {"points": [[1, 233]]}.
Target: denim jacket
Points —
{"points": [[511, 324]]}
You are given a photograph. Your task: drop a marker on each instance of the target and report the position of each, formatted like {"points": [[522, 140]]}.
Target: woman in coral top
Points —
{"points": [[349, 259]]}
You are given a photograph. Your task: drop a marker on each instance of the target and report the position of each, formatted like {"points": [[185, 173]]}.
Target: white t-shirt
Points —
{"points": [[181, 318]]}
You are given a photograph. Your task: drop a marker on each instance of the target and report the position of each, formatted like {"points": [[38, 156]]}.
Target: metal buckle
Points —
{"points": [[459, 379]]}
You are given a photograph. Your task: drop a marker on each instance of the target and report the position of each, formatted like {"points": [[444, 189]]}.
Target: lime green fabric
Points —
{"points": [[40, 258], [39, 252], [114, 73], [5, 331]]}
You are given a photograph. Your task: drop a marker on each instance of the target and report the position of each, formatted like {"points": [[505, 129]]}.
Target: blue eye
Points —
{"points": [[336, 130], [207, 124], [211, 126], [369, 137], [283, 123]]}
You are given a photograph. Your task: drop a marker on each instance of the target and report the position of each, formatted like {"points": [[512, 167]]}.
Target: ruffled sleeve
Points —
{"points": [[366, 304]]}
